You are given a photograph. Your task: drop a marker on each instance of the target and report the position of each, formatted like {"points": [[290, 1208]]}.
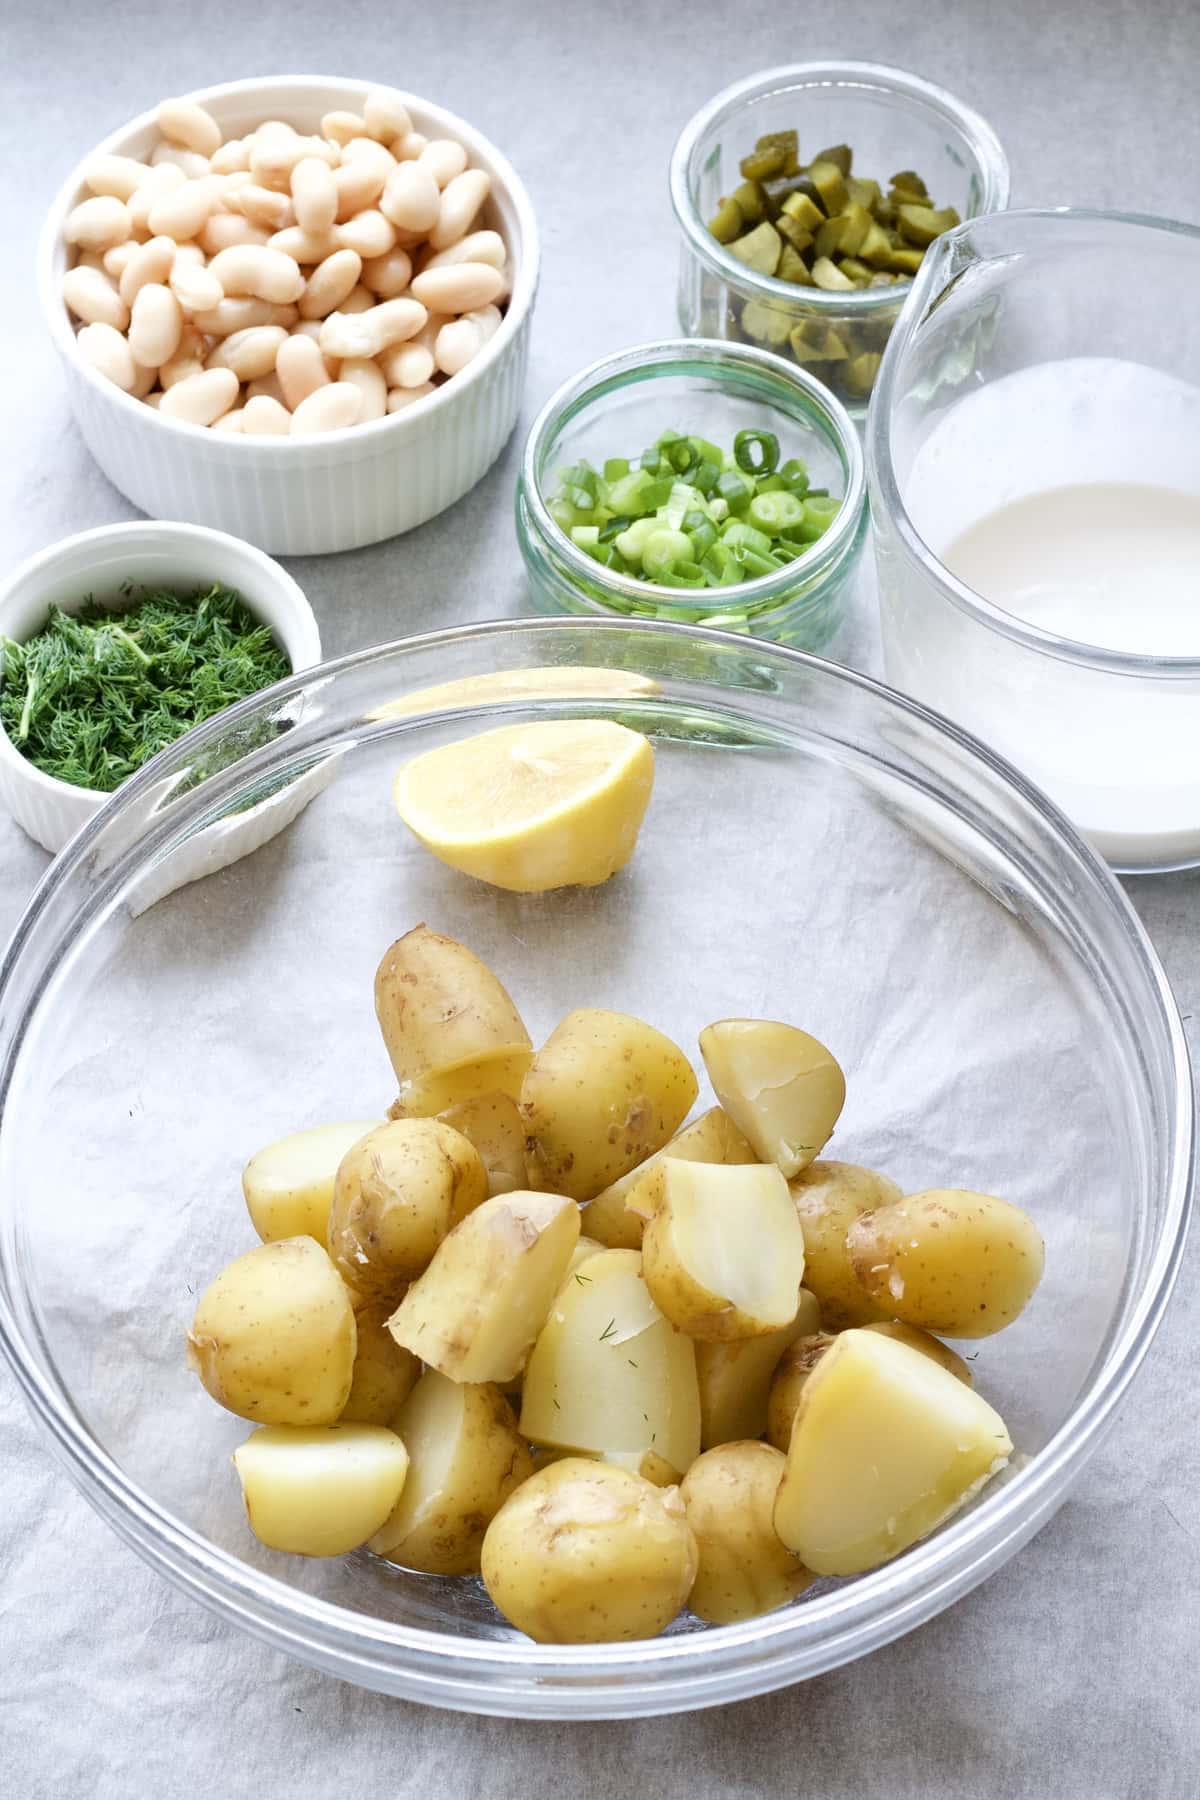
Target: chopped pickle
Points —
{"points": [[830, 184], [766, 324], [727, 222], [921, 224], [786, 141], [841, 156], [855, 223], [904, 261], [876, 248], [760, 165], [752, 202], [863, 193], [797, 235], [828, 240], [827, 275], [860, 371], [760, 249], [911, 183], [792, 267], [858, 272], [804, 209]]}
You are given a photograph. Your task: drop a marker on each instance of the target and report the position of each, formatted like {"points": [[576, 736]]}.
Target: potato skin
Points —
{"points": [[916, 1339], [949, 1261], [735, 1378], [449, 1024], [288, 1185], [604, 1092], [829, 1196], [729, 1497], [397, 1194], [783, 1087], [584, 1553], [493, 1125], [713, 1137], [791, 1376], [274, 1336], [384, 1373]]}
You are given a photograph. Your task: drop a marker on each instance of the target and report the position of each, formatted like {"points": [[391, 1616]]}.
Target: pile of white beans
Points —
{"points": [[280, 284]]}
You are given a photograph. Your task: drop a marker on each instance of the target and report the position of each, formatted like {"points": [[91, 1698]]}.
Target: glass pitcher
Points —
{"points": [[1040, 351]]}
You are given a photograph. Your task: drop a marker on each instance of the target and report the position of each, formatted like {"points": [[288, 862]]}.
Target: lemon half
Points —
{"points": [[532, 807]]}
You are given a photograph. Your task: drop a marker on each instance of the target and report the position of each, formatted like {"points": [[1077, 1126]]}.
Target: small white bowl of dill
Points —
{"points": [[113, 643]]}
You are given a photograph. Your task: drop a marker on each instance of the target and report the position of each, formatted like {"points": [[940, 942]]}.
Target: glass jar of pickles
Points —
{"points": [[807, 197]]}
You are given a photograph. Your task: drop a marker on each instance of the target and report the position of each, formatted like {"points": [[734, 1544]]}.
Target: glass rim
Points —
{"points": [[882, 472], [990, 161], [434, 1666], [707, 357]]}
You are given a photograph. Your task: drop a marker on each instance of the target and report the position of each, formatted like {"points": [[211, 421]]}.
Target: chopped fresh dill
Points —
{"points": [[96, 693], [610, 1330], [584, 1280]]}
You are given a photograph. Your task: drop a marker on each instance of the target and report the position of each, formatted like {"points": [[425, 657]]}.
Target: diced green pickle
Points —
{"points": [[827, 275], [797, 235], [760, 249], [727, 222], [911, 183], [793, 268], [765, 324], [859, 374], [830, 184], [760, 165], [856, 221], [864, 193], [828, 240], [841, 156], [804, 209], [752, 202], [921, 224]]}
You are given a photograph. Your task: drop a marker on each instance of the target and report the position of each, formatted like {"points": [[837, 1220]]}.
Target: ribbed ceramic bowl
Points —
{"points": [[184, 558], [344, 488], [816, 848]]}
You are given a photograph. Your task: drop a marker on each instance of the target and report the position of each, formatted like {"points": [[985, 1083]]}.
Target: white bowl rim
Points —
{"points": [[280, 449], [307, 631]]}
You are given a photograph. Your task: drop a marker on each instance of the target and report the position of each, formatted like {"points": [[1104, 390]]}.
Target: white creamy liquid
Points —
{"points": [[1069, 494]]}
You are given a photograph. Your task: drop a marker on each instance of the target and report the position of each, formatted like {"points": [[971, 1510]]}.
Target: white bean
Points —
{"points": [[249, 353], [330, 283], [98, 223], [311, 328], [191, 165], [117, 260], [240, 314], [266, 387], [368, 334], [225, 230], [187, 360], [305, 246], [342, 126], [314, 195], [399, 398], [195, 287], [369, 233], [427, 336], [93, 297], [444, 159], [411, 198], [387, 276], [264, 206], [159, 181], [488, 319], [186, 123], [361, 179], [407, 365], [144, 378], [201, 399], [275, 155], [114, 175], [385, 115], [480, 246], [330, 408], [191, 254], [108, 353], [457, 344], [184, 213], [153, 262], [360, 299], [365, 375], [459, 287], [231, 421], [155, 325], [270, 274], [264, 417], [461, 201], [300, 368], [409, 147], [231, 158]]}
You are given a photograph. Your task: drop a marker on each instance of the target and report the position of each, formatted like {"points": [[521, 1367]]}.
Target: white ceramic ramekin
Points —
{"points": [[344, 488], [182, 557]]}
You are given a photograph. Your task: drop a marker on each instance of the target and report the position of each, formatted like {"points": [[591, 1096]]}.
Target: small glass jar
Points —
{"points": [[892, 121], [626, 401]]}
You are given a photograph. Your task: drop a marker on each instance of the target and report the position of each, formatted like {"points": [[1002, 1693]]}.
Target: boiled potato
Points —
{"points": [[948, 1260], [396, 1195], [604, 1092], [274, 1336], [320, 1490], [584, 1553], [829, 1196], [614, 1216], [735, 1377], [480, 1304], [788, 1383], [449, 1025], [723, 1254], [608, 1373], [289, 1184], [729, 1497], [384, 1373], [928, 1346], [781, 1086], [885, 1446], [646, 1463], [466, 1458], [584, 1248], [492, 1123]]}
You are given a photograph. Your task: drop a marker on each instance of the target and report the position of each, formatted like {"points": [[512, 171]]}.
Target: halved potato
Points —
{"points": [[829, 1196], [384, 1373], [646, 1463], [928, 1345], [466, 1457], [735, 1377], [609, 1373], [604, 1092], [723, 1254], [397, 1193], [948, 1260], [450, 1027], [614, 1217], [791, 1376], [320, 1491], [728, 1495], [289, 1184], [480, 1304], [492, 1123], [885, 1446], [781, 1086]]}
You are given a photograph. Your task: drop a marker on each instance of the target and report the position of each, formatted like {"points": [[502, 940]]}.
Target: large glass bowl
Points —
{"points": [[817, 848]]}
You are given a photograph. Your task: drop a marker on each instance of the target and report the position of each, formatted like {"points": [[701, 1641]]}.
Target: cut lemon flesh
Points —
{"points": [[530, 807]]}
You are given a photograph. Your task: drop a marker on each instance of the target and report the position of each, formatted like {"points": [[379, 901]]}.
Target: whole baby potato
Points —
{"points": [[384, 1372], [466, 1457], [948, 1260], [829, 1196], [584, 1553], [396, 1195], [729, 1497], [604, 1092], [289, 1184], [450, 1026], [274, 1336], [613, 1217], [321, 1490]]}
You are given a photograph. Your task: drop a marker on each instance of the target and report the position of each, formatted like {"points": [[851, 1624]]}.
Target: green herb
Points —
{"points": [[96, 693], [610, 1330], [584, 1280]]}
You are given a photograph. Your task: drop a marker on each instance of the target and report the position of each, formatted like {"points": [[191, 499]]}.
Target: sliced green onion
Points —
{"points": [[757, 452], [662, 550], [776, 511], [616, 467], [733, 490], [615, 527]]}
